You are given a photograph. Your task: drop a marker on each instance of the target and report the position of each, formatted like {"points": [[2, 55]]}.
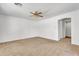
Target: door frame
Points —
{"points": [[62, 27]]}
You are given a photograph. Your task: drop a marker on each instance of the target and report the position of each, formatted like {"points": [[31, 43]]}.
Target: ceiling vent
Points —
{"points": [[18, 4]]}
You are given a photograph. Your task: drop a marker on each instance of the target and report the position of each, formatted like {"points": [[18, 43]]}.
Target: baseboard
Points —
{"points": [[54, 39], [15, 39]]}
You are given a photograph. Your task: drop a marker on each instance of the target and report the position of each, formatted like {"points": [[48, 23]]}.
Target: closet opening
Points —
{"points": [[64, 28]]}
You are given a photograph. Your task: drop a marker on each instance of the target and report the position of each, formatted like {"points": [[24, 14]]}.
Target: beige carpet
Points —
{"points": [[39, 47]]}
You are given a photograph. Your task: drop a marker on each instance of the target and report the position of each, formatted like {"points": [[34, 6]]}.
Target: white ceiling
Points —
{"points": [[48, 9]]}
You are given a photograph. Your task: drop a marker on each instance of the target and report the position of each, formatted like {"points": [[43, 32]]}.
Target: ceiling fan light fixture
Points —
{"points": [[36, 13]]}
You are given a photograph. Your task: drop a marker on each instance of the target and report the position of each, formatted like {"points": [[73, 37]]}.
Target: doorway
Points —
{"points": [[64, 28]]}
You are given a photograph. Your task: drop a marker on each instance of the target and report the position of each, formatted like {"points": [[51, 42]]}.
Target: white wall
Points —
{"points": [[74, 25], [48, 29], [12, 28]]}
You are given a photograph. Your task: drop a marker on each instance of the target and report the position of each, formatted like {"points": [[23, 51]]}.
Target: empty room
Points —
{"points": [[39, 29]]}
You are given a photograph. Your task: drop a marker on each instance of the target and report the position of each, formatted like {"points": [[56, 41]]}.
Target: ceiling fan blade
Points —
{"points": [[36, 16], [43, 11], [33, 15], [40, 13]]}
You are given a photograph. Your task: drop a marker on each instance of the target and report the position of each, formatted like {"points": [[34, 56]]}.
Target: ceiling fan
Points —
{"points": [[36, 13]]}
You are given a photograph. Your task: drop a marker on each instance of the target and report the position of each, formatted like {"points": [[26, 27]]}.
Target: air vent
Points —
{"points": [[18, 4]]}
